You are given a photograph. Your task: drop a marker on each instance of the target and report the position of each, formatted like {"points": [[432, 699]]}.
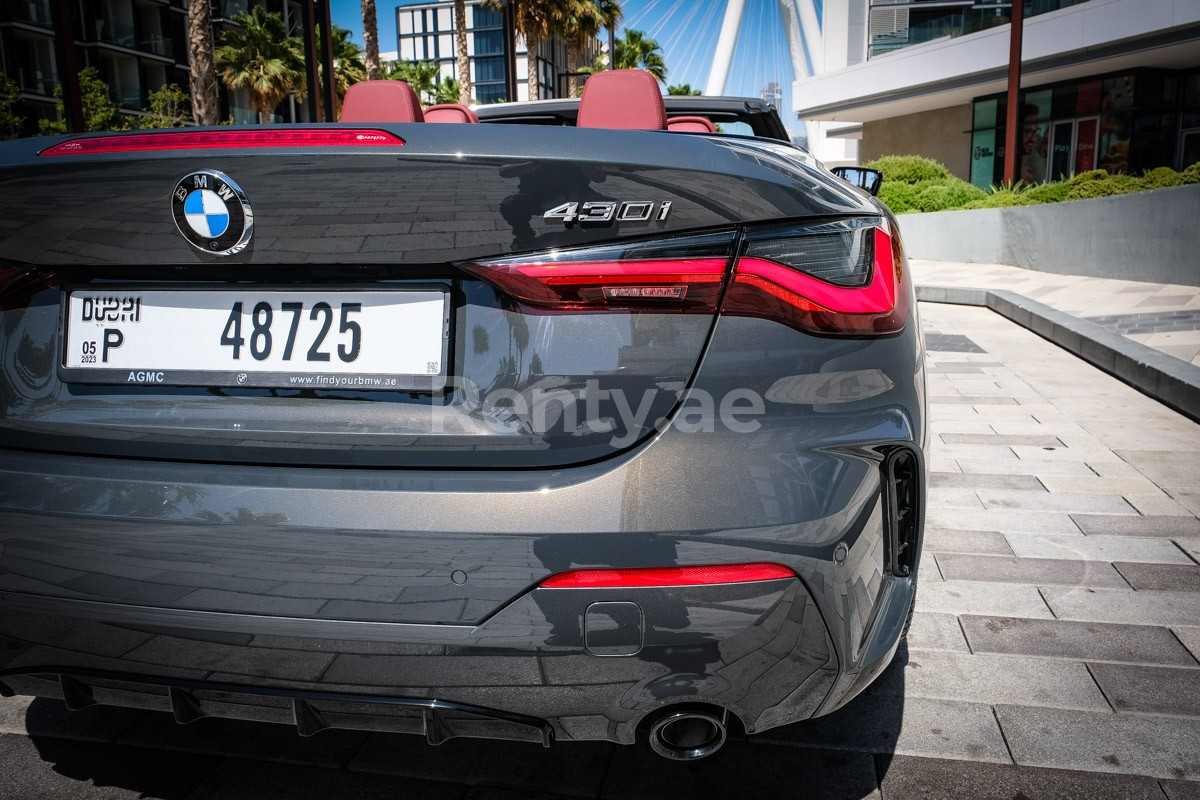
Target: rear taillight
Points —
{"points": [[839, 278], [667, 576], [209, 139], [680, 273], [832, 278]]}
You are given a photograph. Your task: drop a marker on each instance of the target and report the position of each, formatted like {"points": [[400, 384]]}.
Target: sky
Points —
{"points": [[686, 29]]}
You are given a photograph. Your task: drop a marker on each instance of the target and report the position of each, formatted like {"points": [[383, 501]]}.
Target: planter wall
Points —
{"points": [[1148, 236]]}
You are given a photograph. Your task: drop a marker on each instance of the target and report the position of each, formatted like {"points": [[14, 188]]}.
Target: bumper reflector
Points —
{"points": [[667, 576]]}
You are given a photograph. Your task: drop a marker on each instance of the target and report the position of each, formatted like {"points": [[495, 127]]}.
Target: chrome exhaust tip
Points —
{"points": [[688, 735]]}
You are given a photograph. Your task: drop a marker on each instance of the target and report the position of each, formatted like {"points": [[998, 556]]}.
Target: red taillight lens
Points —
{"points": [[681, 273], [787, 293], [667, 576], [209, 139]]}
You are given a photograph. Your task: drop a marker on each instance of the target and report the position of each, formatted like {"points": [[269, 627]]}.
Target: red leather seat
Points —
{"points": [[627, 99], [381, 101], [691, 124], [450, 112]]}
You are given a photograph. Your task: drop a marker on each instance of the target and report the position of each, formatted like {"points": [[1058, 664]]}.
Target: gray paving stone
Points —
{"points": [[948, 540], [1091, 641], [1190, 637], [936, 632], [1172, 577], [1170, 527], [959, 480], [37, 769], [1004, 466], [913, 726], [742, 770], [971, 597], [1169, 469], [1054, 501], [952, 498], [248, 780], [1034, 571], [522, 765], [907, 778], [1181, 790], [973, 401], [1097, 548], [1114, 605], [1001, 520], [1004, 439], [986, 678], [1150, 690], [1164, 747]]}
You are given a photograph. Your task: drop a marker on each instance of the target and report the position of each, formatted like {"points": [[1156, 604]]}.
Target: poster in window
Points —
{"points": [[1035, 111], [1085, 146]]}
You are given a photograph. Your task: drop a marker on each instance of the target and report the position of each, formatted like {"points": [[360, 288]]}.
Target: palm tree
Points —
{"points": [[203, 77], [448, 91], [578, 21], [534, 20], [462, 65], [636, 51], [259, 56], [422, 76], [682, 88], [371, 39], [348, 68]]}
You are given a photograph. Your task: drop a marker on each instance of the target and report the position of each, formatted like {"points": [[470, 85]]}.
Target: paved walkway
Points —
{"points": [[1054, 653], [1163, 316]]}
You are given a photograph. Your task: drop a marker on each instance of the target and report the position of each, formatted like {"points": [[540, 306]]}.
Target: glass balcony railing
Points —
{"points": [[126, 96], [228, 8], [897, 24], [116, 33], [37, 81], [35, 12], [158, 44]]}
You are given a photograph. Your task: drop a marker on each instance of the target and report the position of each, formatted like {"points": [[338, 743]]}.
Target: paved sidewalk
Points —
{"points": [[1054, 652], [1163, 316]]}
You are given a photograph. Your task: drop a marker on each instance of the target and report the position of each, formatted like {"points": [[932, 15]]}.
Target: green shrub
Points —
{"points": [[946, 194], [1001, 198], [1161, 178], [1099, 187], [1090, 175], [908, 169], [899, 197], [1054, 192], [1191, 174]]}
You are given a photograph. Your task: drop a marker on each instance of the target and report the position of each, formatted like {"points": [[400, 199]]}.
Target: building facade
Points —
{"points": [[1111, 84], [425, 32], [137, 46]]}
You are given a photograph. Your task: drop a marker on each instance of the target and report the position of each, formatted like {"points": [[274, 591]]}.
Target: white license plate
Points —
{"points": [[310, 339]]}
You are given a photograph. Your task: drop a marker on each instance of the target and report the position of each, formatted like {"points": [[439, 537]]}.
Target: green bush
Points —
{"points": [[1090, 175], [945, 195], [1160, 178], [908, 169], [1088, 190], [1191, 174], [1054, 192], [899, 197], [1001, 198]]}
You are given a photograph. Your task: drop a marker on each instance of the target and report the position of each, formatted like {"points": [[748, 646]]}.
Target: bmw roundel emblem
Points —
{"points": [[212, 212]]}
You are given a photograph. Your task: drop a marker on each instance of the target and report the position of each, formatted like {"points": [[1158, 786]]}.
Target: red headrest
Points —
{"points": [[622, 98], [381, 101], [450, 112], [691, 124]]}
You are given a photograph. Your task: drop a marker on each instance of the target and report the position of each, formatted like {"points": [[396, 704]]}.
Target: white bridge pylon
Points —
{"points": [[801, 26]]}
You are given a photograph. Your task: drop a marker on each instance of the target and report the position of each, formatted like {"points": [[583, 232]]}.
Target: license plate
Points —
{"points": [[393, 339]]}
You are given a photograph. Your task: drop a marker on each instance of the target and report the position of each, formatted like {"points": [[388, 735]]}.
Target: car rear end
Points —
{"points": [[496, 431]]}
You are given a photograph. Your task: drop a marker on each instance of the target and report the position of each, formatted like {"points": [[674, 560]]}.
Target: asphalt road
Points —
{"points": [[1054, 653]]}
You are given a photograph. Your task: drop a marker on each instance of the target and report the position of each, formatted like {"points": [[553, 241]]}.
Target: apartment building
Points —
{"points": [[1113, 84]]}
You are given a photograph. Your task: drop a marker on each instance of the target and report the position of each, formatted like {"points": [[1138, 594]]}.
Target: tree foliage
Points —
{"points": [[11, 123], [99, 111], [578, 22], [422, 76], [260, 56], [635, 50], [534, 20], [169, 107], [682, 89], [448, 91]]}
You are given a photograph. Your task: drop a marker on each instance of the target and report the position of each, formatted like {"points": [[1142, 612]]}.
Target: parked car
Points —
{"points": [[516, 431]]}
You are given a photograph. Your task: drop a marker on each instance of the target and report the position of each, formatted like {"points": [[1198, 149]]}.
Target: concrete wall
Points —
{"points": [[1149, 236], [942, 134]]}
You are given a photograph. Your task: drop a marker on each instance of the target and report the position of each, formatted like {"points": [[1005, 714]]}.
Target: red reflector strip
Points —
{"points": [[667, 576], [686, 284], [208, 140]]}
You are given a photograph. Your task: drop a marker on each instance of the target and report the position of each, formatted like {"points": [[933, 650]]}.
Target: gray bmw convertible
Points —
{"points": [[607, 428]]}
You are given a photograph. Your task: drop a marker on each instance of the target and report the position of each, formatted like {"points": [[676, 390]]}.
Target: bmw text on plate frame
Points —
{"points": [[212, 212]]}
